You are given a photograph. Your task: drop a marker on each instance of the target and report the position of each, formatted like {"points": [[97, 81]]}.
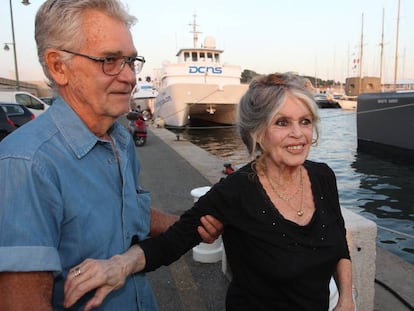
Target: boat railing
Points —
{"points": [[385, 108]]}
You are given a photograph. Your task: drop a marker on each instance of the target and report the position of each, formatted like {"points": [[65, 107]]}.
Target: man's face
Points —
{"points": [[90, 91]]}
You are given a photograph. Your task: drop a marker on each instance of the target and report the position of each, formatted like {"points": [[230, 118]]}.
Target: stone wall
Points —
{"points": [[368, 85], [36, 88]]}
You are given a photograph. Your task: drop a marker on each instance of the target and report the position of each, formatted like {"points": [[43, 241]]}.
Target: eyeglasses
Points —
{"points": [[113, 65]]}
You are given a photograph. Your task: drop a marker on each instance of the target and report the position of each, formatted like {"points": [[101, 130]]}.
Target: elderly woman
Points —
{"points": [[284, 234]]}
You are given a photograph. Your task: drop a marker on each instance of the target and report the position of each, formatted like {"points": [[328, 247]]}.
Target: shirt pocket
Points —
{"points": [[143, 219]]}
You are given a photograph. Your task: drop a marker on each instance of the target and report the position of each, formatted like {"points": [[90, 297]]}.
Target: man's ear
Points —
{"points": [[57, 67]]}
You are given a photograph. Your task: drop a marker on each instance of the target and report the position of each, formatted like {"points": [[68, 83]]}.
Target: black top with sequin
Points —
{"points": [[276, 264]]}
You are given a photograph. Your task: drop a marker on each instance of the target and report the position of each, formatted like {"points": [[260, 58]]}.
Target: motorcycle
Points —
{"points": [[137, 127]]}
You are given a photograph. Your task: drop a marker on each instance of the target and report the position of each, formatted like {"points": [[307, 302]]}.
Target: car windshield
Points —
{"points": [[12, 109]]}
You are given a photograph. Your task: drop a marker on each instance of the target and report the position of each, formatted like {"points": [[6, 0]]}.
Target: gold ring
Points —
{"points": [[77, 271]]}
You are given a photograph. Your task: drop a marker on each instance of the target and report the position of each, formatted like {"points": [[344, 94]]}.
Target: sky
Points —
{"points": [[319, 38]]}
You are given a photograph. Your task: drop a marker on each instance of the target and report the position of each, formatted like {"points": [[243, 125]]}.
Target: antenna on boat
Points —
{"points": [[194, 31]]}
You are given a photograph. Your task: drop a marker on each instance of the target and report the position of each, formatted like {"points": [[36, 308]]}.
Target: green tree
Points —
{"points": [[247, 75]]}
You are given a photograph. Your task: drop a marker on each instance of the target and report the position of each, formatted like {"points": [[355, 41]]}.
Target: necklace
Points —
{"points": [[281, 196]]}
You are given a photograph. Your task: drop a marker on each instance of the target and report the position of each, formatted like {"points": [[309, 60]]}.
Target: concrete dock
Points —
{"points": [[171, 168]]}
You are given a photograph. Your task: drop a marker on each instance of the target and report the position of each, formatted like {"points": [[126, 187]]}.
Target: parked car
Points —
{"points": [[6, 125], [47, 100], [34, 104], [17, 113]]}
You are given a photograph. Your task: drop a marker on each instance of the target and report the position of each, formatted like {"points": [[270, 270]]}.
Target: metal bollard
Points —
{"points": [[204, 252]]}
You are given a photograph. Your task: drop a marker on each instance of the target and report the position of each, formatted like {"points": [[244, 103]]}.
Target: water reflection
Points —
{"points": [[378, 189], [386, 196], [223, 142], [388, 187]]}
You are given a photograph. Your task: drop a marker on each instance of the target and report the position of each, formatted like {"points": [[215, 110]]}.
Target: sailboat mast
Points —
{"points": [[361, 55], [396, 48], [382, 47]]}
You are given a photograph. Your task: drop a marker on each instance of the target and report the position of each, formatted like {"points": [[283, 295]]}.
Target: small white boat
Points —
{"points": [[145, 95], [347, 102], [198, 87]]}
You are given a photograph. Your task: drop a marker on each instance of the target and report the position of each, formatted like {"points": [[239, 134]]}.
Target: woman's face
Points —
{"points": [[289, 136]]}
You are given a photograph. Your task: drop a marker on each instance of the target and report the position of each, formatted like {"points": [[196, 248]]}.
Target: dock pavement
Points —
{"points": [[170, 169]]}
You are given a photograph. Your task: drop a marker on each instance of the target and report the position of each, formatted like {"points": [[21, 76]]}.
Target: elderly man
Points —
{"points": [[70, 186]]}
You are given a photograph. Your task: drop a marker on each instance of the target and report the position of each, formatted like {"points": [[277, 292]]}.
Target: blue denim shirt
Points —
{"points": [[66, 196]]}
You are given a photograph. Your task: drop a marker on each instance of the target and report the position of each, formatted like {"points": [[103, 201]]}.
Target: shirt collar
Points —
{"points": [[77, 135]]}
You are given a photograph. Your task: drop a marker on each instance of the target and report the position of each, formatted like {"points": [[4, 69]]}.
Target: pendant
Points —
{"points": [[300, 213]]}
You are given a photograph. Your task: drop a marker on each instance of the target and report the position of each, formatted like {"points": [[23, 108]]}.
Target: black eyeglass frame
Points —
{"points": [[131, 61]]}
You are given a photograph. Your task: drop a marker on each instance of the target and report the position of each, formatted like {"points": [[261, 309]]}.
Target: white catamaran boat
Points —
{"points": [[198, 87]]}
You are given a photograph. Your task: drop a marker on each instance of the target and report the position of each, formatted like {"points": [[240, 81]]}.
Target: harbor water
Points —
{"points": [[378, 189]]}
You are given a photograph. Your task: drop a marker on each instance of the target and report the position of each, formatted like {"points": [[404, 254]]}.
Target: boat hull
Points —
{"points": [[385, 125], [179, 103], [347, 104]]}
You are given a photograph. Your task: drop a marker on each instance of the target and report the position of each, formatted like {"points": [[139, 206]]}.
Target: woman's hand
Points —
{"points": [[345, 305], [103, 275], [343, 279]]}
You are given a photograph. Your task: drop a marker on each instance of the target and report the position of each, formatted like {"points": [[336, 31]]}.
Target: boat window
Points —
{"points": [[194, 56], [202, 56], [186, 56], [210, 57], [216, 57]]}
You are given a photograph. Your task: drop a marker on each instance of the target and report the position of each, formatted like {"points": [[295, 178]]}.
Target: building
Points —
{"points": [[368, 85]]}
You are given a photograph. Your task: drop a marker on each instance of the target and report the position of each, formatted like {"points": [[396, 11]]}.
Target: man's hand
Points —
{"points": [[109, 275], [211, 229], [103, 275]]}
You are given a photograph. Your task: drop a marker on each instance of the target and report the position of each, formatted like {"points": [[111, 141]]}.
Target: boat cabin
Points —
{"points": [[199, 55]]}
